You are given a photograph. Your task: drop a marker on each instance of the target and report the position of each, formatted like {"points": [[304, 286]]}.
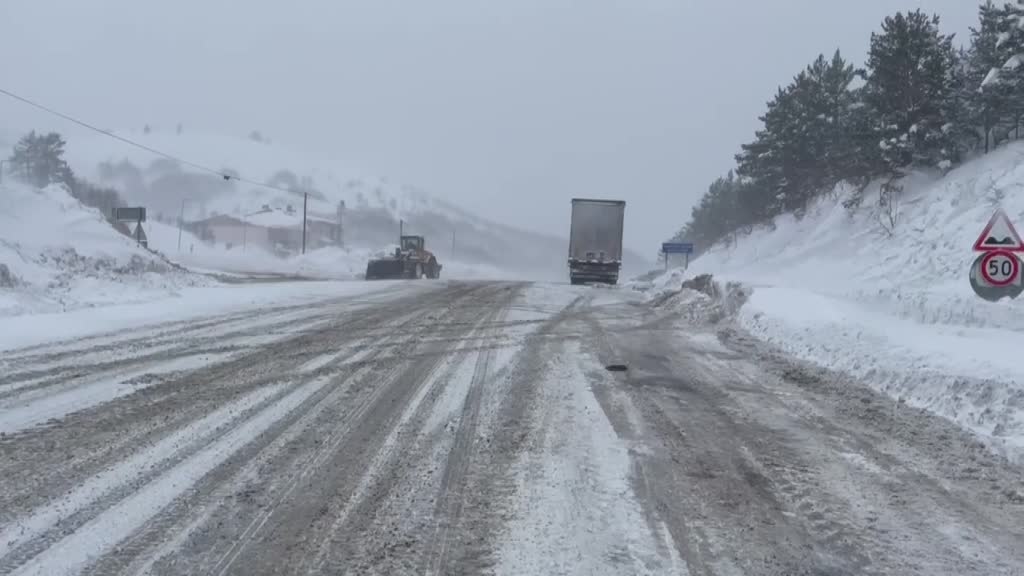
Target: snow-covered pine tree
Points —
{"points": [[963, 128], [39, 160], [983, 91], [775, 161], [911, 90], [830, 94], [1008, 79], [806, 145]]}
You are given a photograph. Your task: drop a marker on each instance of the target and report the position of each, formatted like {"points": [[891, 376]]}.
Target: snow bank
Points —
{"points": [[189, 303], [895, 308], [56, 255]]}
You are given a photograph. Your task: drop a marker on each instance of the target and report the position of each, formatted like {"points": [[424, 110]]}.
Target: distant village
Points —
{"points": [[275, 230]]}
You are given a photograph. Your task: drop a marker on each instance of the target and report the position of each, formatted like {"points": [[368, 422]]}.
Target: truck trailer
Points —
{"points": [[595, 240]]}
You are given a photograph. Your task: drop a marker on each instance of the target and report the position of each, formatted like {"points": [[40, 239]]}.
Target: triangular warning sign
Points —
{"points": [[999, 234]]}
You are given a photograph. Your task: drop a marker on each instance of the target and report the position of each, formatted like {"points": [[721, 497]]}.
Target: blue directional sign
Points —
{"points": [[677, 248]]}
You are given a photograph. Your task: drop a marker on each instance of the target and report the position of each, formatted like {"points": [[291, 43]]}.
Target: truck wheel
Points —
{"points": [[419, 271]]}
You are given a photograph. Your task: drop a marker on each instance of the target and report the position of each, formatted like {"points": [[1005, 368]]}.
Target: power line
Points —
{"points": [[149, 149]]}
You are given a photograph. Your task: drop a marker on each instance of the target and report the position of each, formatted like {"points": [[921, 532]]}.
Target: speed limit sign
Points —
{"points": [[1000, 268]]}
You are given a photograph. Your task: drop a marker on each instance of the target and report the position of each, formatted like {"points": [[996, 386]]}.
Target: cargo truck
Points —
{"points": [[595, 240]]}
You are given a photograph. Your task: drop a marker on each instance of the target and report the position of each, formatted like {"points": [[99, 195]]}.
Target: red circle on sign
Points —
{"points": [[1015, 264]]}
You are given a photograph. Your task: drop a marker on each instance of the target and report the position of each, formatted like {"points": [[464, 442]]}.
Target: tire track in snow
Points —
{"points": [[153, 545], [68, 552], [371, 481], [34, 407], [450, 500], [130, 354], [309, 466], [290, 479], [147, 412], [138, 466], [98, 536]]}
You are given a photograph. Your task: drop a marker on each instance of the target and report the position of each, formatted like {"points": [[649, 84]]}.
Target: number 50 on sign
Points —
{"points": [[1000, 268]]}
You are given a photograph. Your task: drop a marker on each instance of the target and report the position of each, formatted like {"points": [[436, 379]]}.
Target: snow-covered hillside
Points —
{"points": [[896, 309], [373, 206], [56, 255]]}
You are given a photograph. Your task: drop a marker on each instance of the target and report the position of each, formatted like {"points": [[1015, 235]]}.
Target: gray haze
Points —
{"points": [[509, 109]]}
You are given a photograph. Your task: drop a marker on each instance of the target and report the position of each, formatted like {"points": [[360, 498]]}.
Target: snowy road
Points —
{"points": [[466, 428]]}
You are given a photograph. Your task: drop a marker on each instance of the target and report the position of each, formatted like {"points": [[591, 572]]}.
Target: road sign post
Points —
{"points": [[136, 214], [997, 272], [677, 248]]}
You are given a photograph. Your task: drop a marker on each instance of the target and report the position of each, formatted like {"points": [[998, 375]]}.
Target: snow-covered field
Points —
{"points": [[895, 310], [58, 255]]}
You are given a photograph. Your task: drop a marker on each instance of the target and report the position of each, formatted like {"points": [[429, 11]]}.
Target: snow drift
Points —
{"points": [[893, 305], [56, 255]]}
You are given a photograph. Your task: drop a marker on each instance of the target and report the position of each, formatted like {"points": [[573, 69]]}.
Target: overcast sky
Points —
{"points": [[509, 108]]}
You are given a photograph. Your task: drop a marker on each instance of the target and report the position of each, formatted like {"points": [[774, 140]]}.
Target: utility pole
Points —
{"points": [[181, 220], [401, 230], [305, 200]]}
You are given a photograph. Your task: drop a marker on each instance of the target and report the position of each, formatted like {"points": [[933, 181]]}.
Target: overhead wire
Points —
{"points": [[151, 150]]}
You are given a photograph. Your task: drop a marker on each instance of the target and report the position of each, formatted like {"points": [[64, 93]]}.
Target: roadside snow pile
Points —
{"points": [[699, 299], [332, 263], [658, 284], [895, 307], [56, 255]]}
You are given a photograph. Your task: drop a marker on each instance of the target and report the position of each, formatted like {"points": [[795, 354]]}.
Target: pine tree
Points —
{"points": [[911, 90], [984, 94], [39, 159], [1007, 81], [765, 160], [959, 111], [805, 147]]}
